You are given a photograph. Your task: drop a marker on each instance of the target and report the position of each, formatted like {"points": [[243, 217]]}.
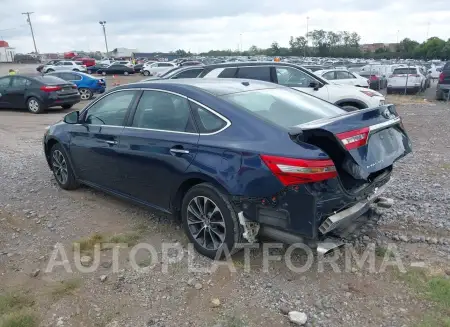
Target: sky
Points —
{"points": [[201, 25]]}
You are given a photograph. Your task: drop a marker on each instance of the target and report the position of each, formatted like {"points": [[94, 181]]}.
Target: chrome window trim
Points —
{"points": [[227, 121]]}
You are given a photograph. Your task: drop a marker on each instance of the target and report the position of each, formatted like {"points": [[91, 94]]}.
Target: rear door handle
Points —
{"points": [[111, 142], [178, 151]]}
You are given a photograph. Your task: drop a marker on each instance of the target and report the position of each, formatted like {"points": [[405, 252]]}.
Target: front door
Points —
{"points": [[94, 143], [158, 147], [4, 86]]}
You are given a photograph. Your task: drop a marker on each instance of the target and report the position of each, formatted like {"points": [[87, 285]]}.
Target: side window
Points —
{"points": [[190, 73], [258, 73], [111, 110], [74, 77], [207, 122], [4, 82], [228, 73], [342, 75], [66, 76], [20, 82], [163, 111], [292, 77], [328, 76], [67, 63]]}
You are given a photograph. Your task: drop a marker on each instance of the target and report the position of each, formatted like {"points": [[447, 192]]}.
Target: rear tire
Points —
{"points": [[62, 169], [349, 108], [85, 93], [89, 71], [34, 105], [67, 106], [222, 227], [125, 73]]}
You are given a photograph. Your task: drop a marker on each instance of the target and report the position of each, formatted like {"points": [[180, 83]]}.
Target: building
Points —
{"points": [[123, 52], [7, 53]]}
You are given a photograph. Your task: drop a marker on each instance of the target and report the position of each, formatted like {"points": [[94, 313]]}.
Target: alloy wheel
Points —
{"points": [[206, 223], [60, 167], [85, 94], [33, 105]]}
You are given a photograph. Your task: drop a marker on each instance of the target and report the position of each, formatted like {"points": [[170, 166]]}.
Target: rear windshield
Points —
{"points": [[405, 71], [50, 80], [283, 106]]}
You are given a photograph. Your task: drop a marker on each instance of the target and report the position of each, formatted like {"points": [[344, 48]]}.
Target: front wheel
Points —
{"points": [[125, 73], [85, 93], [104, 73], [50, 70], [210, 221], [146, 73], [62, 170]]}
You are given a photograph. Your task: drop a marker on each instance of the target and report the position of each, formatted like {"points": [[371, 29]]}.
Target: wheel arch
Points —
{"points": [[351, 102]]}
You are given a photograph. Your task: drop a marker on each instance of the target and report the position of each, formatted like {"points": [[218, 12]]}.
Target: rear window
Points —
{"points": [[400, 71], [49, 79], [283, 106]]}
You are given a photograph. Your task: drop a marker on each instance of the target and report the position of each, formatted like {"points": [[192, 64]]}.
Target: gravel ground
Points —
{"points": [[35, 215]]}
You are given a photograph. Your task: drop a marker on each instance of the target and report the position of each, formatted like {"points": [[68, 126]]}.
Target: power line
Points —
{"points": [[31, 28]]}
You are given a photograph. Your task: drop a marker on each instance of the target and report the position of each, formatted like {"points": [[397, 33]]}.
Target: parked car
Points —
{"points": [[443, 85], [116, 70], [336, 76], [37, 93], [377, 81], [157, 67], [26, 59], [179, 72], [345, 96], [49, 63], [94, 69], [76, 66], [88, 62], [138, 67], [190, 63], [88, 85], [409, 78], [235, 159], [435, 71], [123, 62], [314, 68]]}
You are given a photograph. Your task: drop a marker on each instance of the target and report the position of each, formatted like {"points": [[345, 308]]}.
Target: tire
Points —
{"points": [[76, 70], [125, 73], [60, 163], [349, 108], [231, 234], [85, 93], [35, 106], [50, 70], [104, 73], [89, 71], [146, 73], [67, 106], [388, 91]]}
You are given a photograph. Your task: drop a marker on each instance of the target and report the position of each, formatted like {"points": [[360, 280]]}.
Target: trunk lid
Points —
{"points": [[362, 144]]}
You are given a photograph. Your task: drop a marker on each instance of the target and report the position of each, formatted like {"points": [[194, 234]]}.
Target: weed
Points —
{"points": [[11, 302], [19, 319], [65, 287]]}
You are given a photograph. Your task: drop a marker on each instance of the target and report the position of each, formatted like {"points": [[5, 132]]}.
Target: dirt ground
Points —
{"points": [[36, 216]]}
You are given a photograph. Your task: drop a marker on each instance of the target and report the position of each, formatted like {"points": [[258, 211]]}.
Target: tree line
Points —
{"points": [[342, 44]]}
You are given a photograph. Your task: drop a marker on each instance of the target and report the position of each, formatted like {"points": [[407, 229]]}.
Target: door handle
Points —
{"points": [[111, 142], [178, 151]]}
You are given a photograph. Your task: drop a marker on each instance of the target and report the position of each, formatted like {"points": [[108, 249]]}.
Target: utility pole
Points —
{"points": [[398, 31], [103, 23], [307, 36], [31, 28], [428, 29], [240, 41]]}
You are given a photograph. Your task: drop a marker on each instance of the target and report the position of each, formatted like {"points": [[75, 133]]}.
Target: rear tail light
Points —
{"points": [[292, 171], [47, 88], [373, 78], [74, 87], [441, 77], [414, 75], [354, 139]]}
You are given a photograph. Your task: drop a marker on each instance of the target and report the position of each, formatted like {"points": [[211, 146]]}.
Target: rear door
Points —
{"points": [[157, 147], [343, 77], [16, 91], [4, 86], [95, 143]]}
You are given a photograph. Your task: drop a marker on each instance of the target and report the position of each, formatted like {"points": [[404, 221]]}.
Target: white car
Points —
{"points": [[345, 96], [76, 66], [157, 67], [338, 76], [410, 78]]}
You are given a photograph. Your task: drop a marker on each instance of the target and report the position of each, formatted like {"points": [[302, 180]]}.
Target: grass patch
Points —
{"points": [[130, 238], [445, 166], [19, 319], [11, 302], [233, 321], [65, 287], [383, 252], [435, 289], [87, 244]]}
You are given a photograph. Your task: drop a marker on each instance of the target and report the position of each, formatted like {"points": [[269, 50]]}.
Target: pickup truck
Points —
{"points": [[443, 86]]}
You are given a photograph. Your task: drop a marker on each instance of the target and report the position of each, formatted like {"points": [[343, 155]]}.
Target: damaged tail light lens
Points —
{"points": [[291, 171], [354, 139]]}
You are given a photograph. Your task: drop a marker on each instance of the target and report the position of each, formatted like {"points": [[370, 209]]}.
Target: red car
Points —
{"points": [[88, 62]]}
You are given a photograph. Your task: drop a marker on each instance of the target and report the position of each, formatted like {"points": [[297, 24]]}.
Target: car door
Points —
{"points": [[343, 77], [17, 90], [297, 79], [157, 147], [4, 87], [94, 143]]}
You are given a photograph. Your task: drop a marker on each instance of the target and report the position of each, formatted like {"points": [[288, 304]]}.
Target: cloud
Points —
{"points": [[200, 25]]}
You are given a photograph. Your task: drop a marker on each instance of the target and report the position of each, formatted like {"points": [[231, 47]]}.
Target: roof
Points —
{"points": [[217, 86], [4, 44]]}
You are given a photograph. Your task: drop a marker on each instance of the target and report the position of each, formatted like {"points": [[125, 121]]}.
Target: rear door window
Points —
{"points": [[258, 73], [343, 75], [20, 82], [228, 73], [292, 77], [207, 122], [4, 82], [329, 76]]}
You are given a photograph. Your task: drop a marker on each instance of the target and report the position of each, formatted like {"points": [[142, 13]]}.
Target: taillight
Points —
{"points": [[373, 78], [354, 139], [74, 86], [441, 77], [48, 88], [292, 171]]}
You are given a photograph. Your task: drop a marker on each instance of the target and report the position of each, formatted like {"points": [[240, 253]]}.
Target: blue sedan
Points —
{"points": [[88, 85], [234, 159]]}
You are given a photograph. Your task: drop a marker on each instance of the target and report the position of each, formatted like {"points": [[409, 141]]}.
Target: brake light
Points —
{"points": [[48, 88], [74, 87], [354, 139], [373, 78], [441, 77], [292, 171]]}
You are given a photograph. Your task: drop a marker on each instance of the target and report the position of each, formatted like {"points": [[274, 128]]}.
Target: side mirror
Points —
{"points": [[315, 85], [72, 118]]}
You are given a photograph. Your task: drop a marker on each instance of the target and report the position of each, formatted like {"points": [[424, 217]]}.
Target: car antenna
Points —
{"points": [[245, 83]]}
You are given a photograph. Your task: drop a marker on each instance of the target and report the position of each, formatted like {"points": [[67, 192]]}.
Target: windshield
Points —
{"points": [[283, 106], [400, 71]]}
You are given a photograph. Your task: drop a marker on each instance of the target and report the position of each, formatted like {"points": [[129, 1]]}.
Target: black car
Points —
{"points": [[179, 72], [37, 93], [138, 67], [443, 86], [26, 59], [51, 62], [116, 69], [96, 68]]}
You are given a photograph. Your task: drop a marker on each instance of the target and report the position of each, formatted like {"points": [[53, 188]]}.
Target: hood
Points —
{"points": [[343, 87]]}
